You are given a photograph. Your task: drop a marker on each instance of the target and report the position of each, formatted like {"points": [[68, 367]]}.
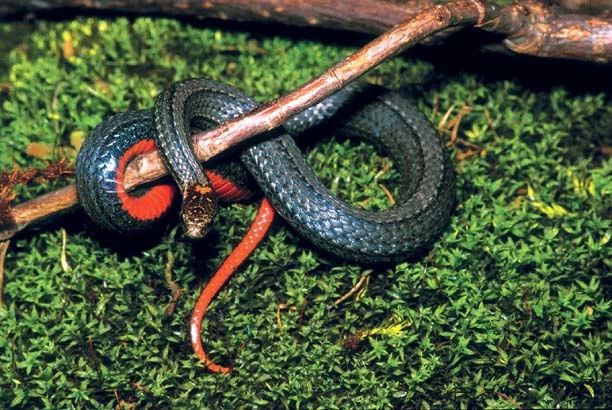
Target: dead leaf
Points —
{"points": [[40, 150], [68, 46]]}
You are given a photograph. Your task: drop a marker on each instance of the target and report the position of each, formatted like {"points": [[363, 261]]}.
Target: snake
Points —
{"points": [[274, 164]]}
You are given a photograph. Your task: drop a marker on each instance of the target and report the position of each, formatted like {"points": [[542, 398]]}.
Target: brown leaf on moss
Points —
{"points": [[67, 46], [40, 150], [102, 86]]}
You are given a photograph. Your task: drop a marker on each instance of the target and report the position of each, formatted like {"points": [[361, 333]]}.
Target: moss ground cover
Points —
{"points": [[510, 308]]}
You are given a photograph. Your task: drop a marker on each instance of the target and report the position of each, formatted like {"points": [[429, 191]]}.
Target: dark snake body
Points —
{"points": [[279, 168]]}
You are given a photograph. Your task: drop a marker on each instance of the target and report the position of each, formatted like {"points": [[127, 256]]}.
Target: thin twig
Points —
{"points": [[4, 245], [64, 252], [360, 283], [539, 27], [280, 308], [388, 193], [174, 287]]}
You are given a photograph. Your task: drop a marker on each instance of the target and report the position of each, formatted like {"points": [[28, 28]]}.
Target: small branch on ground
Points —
{"points": [[363, 280], [529, 27], [64, 252], [4, 245], [551, 28], [174, 287]]}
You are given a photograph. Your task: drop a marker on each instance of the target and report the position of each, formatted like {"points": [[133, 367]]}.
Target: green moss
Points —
{"points": [[510, 308]]}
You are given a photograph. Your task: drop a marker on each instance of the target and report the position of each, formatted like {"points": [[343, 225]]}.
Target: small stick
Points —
{"points": [[4, 245], [362, 281], [538, 27], [64, 252], [174, 287]]}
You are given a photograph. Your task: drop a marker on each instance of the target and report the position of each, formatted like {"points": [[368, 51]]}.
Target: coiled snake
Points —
{"points": [[278, 167]]}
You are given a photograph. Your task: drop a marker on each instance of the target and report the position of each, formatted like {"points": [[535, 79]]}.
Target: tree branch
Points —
{"points": [[548, 31], [366, 16], [522, 25], [535, 29]]}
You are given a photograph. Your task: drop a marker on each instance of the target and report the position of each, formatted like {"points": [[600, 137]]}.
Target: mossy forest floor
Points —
{"points": [[510, 308]]}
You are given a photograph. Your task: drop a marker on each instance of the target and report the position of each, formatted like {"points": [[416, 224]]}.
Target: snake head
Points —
{"points": [[198, 210]]}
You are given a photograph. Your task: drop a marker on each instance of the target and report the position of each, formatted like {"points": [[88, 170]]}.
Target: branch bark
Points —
{"points": [[367, 16], [522, 24], [536, 29]]}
